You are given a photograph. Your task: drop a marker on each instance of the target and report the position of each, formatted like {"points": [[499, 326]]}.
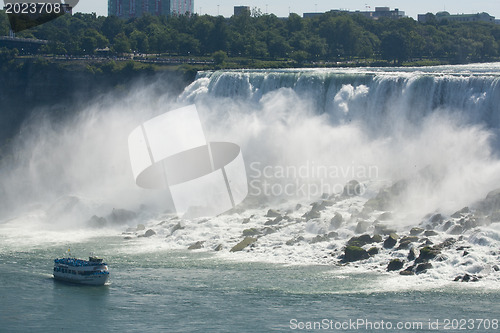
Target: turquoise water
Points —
{"points": [[181, 291]]}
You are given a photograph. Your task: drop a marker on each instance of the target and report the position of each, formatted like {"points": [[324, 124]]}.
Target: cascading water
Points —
{"points": [[303, 133]]}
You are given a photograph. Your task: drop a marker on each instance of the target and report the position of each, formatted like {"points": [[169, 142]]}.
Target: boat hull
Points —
{"points": [[91, 281]]}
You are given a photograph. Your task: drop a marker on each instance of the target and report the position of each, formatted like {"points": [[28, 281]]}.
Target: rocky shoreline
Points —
{"points": [[349, 229]]}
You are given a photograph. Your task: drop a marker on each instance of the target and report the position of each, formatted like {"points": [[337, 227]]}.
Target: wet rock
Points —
{"points": [[140, 227], [447, 225], [120, 216], [413, 254], [496, 268], [176, 227], [470, 222], [456, 230], [268, 231], [461, 212], [196, 246], [422, 268], [294, 241], [360, 240], [407, 271], [243, 244], [467, 278], [324, 238], [245, 220], [427, 242], [427, 253], [436, 219], [251, 232], [430, 233], [333, 234], [317, 207], [313, 214], [127, 237], [355, 253], [416, 231], [373, 251], [219, 248], [446, 244], [361, 227], [273, 213], [336, 221], [97, 222], [376, 239], [406, 241], [298, 206], [395, 265], [149, 233], [275, 221], [391, 241], [352, 188]]}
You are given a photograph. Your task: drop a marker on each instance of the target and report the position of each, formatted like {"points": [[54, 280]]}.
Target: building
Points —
{"points": [[137, 8], [239, 10], [384, 12], [479, 17], [380, 12]]}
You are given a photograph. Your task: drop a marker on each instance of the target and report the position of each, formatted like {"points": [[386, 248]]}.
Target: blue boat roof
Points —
{"points": [[78, 262]]}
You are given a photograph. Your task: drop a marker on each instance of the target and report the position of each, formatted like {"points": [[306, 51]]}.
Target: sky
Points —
{"points": [[284, 7]]}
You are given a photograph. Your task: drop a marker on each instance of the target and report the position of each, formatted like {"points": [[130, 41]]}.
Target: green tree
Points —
{"points": [[88, 44], [139, 41], [394, 47], [219, 57], [121, 43]]}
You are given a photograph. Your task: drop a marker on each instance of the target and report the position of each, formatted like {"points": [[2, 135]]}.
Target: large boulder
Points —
{"points": [[149, 233], [243, 244], [251, 232], [324, 238], [97, 222], [352, 188], [273, 213], [176, 227], [405, 242], [355, 253], [312, 214], [196, 246], [121, 216], [360, 241], [416, 231], [395, 265], [427, 253], [430, 233], [422, 268], [336, 221], [391, 241], [277, 220]]}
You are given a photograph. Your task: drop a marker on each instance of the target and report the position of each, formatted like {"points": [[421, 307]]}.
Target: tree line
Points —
{"points": [[333, 36]]}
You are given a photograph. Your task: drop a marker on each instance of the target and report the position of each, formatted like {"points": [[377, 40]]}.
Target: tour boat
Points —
{"points": [[91, 272]]}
